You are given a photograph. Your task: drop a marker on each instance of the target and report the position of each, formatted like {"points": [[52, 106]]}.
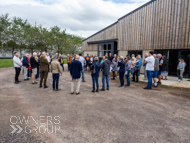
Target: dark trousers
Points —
{"points": [[62, 66], [113, 74], [38, 73], [55, 77], [136, 73], [44, 75], [29, 72], [17, 73], [121, 78], [49, 67], [95, 81], [68, 66]]}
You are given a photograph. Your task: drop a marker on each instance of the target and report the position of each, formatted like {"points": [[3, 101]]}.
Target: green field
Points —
{"points": [[5, 63]]}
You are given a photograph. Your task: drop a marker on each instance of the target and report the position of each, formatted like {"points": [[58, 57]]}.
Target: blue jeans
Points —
{"points": [[128, 77], [62, 66], [137, 76], [95, 80], [149, 75], [55, 80], [103, 81], [38, 72], [82, 73], [121, 78]]}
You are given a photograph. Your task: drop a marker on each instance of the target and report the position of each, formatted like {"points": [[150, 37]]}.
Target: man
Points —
{"points": [[56, 56], [25, 64], [83, 62], [144, 66], [69, 60], [44, 70], [156, 70], [115, 58], [160, 68], [75, 71], [105, 73], [34, 65], [56, 70], [121, 65], [49, 60], [87, 58], [17, 66], [128, 70], [110, 58], [149, 68]]}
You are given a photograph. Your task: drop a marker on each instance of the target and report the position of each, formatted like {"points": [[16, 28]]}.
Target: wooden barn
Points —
{"points": [[159, 25]]}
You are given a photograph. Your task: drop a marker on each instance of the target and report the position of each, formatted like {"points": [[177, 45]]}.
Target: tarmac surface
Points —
{"points": [[120, 115]]}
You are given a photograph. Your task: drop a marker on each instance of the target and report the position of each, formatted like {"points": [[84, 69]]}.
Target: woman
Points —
{"points": [[95, 69], [61, 62], [114, 68], [121, 65], [91, 60], [181, 69], [164, 68], [29, 67], [136, 70], [102, 60], [37, 75], [133, 61]]}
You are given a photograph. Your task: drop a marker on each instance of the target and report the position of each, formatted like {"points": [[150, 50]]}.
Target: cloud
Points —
{"points": [[79, 17]]}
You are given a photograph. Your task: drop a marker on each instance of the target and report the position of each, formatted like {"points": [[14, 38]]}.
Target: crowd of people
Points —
{"points": [[37, 66]]}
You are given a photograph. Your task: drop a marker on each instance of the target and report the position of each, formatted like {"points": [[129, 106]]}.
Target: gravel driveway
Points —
{"points": [[127, 115]]}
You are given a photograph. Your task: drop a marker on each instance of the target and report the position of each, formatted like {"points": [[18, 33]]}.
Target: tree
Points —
{"points": [[58, 39], [4, 25], [73, 44]]}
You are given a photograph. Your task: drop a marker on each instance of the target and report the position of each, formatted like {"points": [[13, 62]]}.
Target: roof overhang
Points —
{"points": [[102, 41]]}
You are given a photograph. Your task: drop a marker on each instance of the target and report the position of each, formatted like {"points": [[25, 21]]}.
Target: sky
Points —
{"points": [[78, 17]]}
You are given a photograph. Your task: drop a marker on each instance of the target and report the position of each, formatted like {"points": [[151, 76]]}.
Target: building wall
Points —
{"points": [[109, 33], [159, 24], [162, 24], [90, 53]]}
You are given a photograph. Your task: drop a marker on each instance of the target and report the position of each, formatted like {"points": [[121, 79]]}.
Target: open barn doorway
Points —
{"points": [[106, 48]]}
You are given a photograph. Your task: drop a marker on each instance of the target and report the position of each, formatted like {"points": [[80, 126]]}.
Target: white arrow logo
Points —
{"points": [[15, 129]]}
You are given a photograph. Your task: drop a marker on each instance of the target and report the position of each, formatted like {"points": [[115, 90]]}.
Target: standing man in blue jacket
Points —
{"points": [[121, 65], [75, 71], [25, 64]]}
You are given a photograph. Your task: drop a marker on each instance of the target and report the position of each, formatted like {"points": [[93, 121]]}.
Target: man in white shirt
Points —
{"points": [[83, 61], [17, 66], [48, 59], [149, 61]]}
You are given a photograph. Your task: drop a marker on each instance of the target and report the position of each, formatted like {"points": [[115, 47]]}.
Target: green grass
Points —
{"points": [[188, 80], [5, 63]]}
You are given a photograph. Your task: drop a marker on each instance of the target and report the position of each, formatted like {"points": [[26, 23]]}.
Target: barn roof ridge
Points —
{"points": [[120, 19]]}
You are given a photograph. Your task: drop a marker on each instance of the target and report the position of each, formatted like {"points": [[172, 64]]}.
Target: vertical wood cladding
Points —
{"points": [[160, 24]]}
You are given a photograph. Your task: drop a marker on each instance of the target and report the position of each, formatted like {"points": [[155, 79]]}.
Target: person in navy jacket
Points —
{"points": [[95, 76], [75, 71], [137, 70], [25, 64], [121, 65]]}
